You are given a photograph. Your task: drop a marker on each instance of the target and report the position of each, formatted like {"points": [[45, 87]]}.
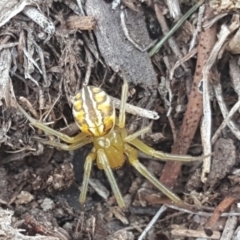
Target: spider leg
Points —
{"points": [[64, 146], [87, 171], [122, 114], [108, 171], [132, 156], [51, 131], [161, 155], [138, 133]]}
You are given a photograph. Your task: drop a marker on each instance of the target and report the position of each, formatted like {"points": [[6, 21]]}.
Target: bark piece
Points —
{"points": [[117, 51]]}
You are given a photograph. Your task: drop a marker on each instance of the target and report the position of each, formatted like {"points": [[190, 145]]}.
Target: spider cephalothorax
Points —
{"points": [[95, 115]]}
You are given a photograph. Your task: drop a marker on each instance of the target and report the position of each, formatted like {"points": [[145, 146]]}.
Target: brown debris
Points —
{"points": [[43, 229], [8, 231], [121, 235], [151, 197], [222, 207], [195, 233], [81, 23], [224, 6]]}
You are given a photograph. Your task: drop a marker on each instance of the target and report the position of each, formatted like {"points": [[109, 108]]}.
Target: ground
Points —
{"points": [[47, 56]]}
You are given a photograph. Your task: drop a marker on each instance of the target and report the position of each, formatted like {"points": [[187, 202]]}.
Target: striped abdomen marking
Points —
{"points": [[93, 111]]}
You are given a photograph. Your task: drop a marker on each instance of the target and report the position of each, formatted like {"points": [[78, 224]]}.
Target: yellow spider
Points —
{"points": [[96, 118]]}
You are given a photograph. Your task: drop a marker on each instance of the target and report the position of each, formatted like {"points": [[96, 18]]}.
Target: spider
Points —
{"points": [[95, 116]]}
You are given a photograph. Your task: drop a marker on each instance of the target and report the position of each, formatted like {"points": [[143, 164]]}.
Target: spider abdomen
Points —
{"points": [[93, 111]]}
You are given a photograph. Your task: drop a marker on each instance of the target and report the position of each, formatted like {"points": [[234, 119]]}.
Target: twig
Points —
{"points": [[29, 106], [181, 61], [202, 214], [154, 219], [224, 110], [56, 100], [229, 228], [44, 22], [79, 3], [136, 110], [195, 233], [236, 235], [90, 65], [29, 57], [206, 127], [42, 62], [127, 35], [198, 28], [234, 72], [233, 110], [6, 88], [215, 19], [194, 108], [91, 46], [174, 8], [18, 156], [223, 206], [165, 92], [100, 189], [8, 45]]}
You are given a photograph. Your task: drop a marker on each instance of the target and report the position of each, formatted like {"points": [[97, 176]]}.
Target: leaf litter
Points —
{"points": [[50, 49]]}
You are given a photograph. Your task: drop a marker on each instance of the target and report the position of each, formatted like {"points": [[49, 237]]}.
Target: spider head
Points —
{"points": [[93, 111]]}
